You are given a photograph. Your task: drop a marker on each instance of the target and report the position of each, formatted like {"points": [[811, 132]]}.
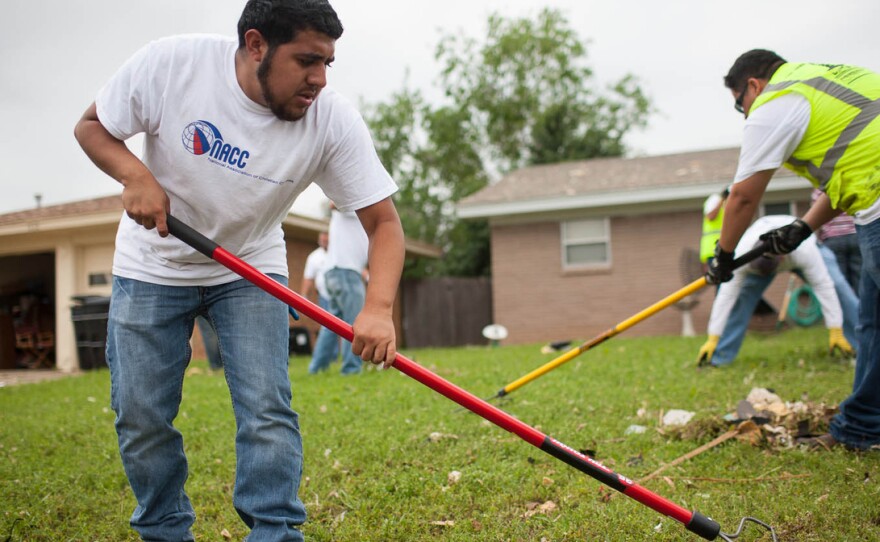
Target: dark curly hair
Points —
{"points": [[279, 21], [758, 63]]}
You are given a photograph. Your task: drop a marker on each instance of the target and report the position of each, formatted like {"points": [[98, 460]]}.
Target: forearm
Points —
{"points": [[144, 200], [741, 206], [820, 212], [385, 264], [111, 155], [374, 335]]}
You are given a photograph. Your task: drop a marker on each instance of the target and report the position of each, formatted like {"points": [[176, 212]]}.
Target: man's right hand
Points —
{"points": [[143, 198], [146, 202], [837, 343], [720, 267]]}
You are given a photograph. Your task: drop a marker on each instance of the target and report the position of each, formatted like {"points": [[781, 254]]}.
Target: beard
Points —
{"points": [[274, 104]]}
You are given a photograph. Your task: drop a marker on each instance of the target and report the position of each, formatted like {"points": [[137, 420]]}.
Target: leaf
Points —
{"points": [[533, 508]]}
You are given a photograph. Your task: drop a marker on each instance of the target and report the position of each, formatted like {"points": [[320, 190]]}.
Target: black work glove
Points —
{"points": [[787, 238], [720, 267]]}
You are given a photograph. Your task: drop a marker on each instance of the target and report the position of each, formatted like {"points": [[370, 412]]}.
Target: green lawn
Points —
{"points": [[388, 459]]}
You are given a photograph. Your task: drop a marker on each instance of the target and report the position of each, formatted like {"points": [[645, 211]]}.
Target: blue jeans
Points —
{"points": [[858, 423], [752, 290], [347, 295], [148, 351], [326, 349], [849, 257]]}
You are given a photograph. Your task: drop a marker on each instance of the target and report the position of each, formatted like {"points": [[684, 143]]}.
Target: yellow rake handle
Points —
{"points": [[605, 335], [626, 324]]}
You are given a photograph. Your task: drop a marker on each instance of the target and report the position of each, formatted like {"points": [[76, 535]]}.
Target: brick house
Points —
{"points": [[51, 254], [578, 247]]}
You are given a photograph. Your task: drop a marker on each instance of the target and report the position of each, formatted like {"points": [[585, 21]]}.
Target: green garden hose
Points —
{"points": [[803, 306]]}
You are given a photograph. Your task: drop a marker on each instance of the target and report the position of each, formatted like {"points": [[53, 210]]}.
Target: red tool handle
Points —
{"points": [[694, 521]]}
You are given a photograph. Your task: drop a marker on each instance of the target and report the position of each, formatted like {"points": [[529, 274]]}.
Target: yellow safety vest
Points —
{"points": [[711, 235], [840, 151]]}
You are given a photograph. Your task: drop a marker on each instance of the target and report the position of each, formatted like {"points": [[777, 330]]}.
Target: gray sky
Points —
{"points": [[56, 54]]}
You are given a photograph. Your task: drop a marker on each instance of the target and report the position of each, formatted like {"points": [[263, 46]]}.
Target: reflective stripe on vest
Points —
{"points": [[825, 142]]}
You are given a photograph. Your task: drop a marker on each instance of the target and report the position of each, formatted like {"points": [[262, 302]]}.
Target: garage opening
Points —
{"points": [[27, 311]]}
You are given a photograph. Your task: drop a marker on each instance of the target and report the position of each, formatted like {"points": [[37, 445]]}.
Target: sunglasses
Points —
{"points": [[738, 105]]}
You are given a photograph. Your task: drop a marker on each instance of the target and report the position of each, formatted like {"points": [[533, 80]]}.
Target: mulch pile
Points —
{"points": [[762, 419]]}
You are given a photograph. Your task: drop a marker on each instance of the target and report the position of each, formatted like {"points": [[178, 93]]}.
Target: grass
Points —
{"points": [[380, 449]]}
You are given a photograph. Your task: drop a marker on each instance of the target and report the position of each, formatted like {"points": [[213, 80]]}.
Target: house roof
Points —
{"points": [[76, 208], [686, 178], [107, 210]]}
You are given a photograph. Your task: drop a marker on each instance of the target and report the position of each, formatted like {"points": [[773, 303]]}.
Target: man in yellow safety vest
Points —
{"points": [[822, 122]]}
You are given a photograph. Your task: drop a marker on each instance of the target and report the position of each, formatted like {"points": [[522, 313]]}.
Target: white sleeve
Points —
{"points": [[808, 259], [772, 134], [311, 268], [353, 177], [725, 299], [125, 105]]}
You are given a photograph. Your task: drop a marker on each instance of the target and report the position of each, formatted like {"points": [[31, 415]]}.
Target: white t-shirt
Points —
{"points": [[314, 270], [771, 135], [347, 244], [805, 258], [230, 167]]}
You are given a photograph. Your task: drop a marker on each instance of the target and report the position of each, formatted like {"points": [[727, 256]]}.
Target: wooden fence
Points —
{"points": [[447, 311]]}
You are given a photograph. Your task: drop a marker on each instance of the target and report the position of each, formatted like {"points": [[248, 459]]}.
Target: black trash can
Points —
{"points": [[89, 317]]}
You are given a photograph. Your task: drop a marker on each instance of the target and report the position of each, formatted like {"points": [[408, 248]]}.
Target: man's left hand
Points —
{"points": [[787, 238]]}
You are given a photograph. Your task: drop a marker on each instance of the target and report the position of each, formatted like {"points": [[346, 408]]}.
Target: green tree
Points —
{"points": [[522, 96], [430, 154]]}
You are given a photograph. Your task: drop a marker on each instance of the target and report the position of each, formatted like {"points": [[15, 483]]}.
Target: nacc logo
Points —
{"points": [[202, 137]]}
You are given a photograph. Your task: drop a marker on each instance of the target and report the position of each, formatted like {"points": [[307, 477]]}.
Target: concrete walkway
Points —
{"points": [[15, 377]]}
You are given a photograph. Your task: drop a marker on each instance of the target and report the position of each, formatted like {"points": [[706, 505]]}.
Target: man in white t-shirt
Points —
{"points": [[313, 272], [313, 279], [347, 257], [823, 122], [234, 132], [736, 300]]}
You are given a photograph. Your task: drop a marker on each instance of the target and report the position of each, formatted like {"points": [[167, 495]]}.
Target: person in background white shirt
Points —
{"points": [[736, 300], [313, 279], [234, 130], [347, 251]]}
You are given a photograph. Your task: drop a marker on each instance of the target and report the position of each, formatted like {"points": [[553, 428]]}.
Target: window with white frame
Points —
{"points": [[586, 243], [783, 208]]}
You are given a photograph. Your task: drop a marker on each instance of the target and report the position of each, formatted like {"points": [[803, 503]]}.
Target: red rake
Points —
{"points": [[695, 522]]}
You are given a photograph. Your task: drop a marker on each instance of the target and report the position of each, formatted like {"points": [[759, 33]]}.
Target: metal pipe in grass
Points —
{"points": [[622, 326], [694, 521]]}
